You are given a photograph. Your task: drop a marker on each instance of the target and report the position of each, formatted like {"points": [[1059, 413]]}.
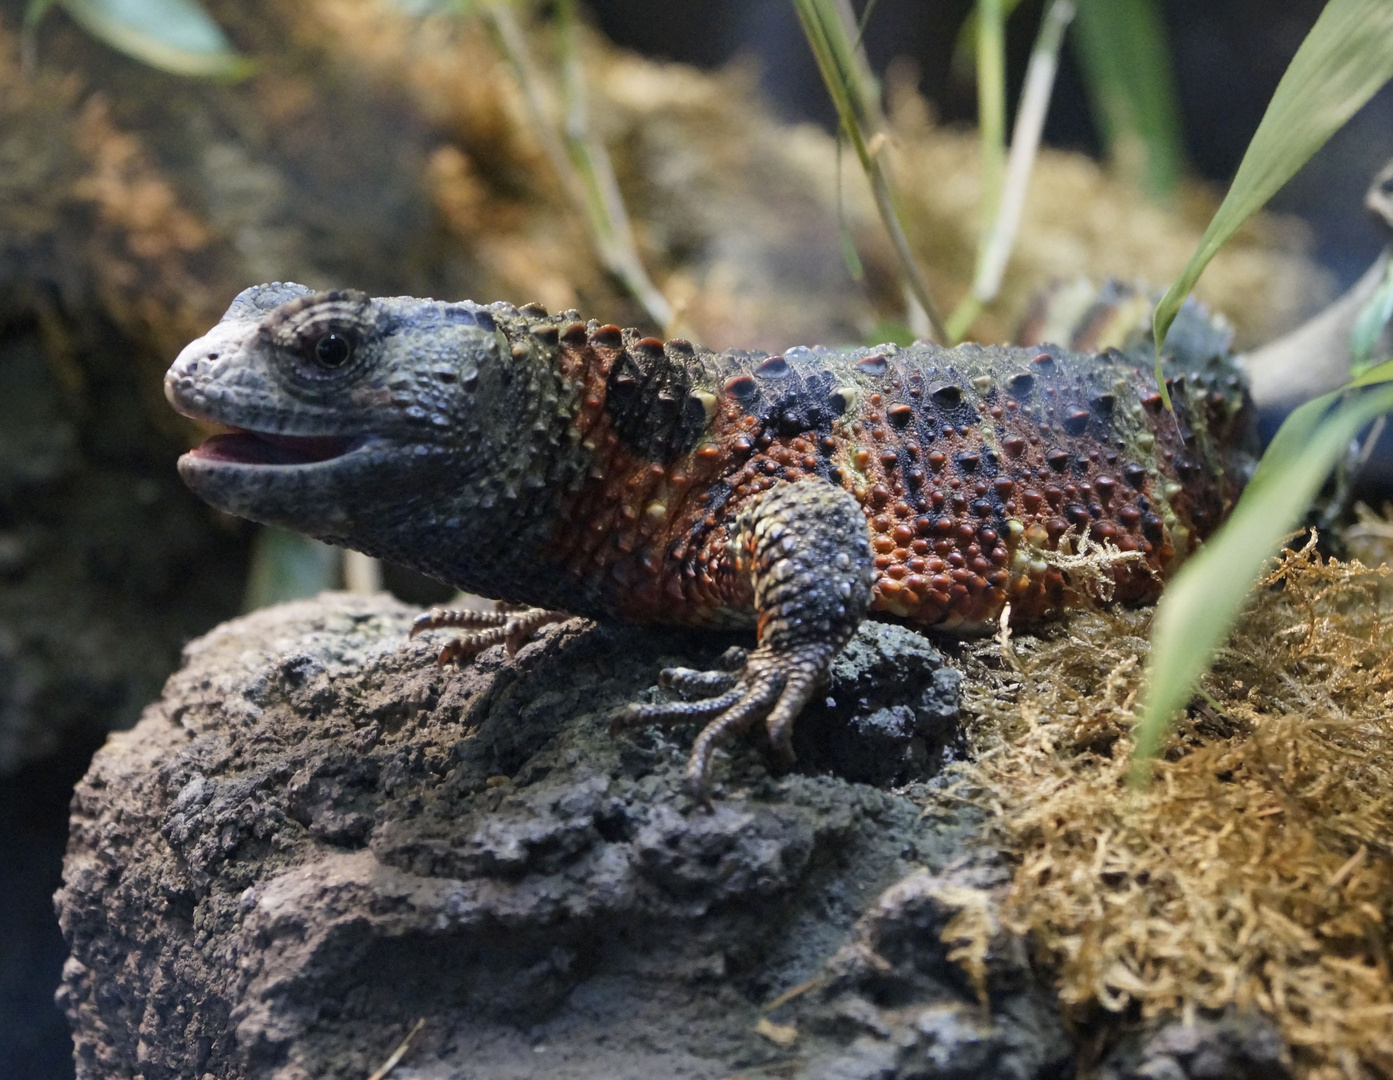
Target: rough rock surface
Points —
{"points": [[318, 837], [1234, 1046]]}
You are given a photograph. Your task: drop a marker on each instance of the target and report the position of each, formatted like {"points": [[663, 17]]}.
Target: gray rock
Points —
{"points": [[890, 714], [317, 837], [1233, 1046]]}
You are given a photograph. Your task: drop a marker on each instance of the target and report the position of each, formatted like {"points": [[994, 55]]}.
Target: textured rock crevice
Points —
{"points": [[317, 837]]}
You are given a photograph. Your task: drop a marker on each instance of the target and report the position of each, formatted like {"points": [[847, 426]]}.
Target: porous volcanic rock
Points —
{"points": [[1234, 1046], [318, 837]]}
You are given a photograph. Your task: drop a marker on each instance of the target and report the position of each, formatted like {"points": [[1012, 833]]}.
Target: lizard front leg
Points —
{"points": [[807, 549]]}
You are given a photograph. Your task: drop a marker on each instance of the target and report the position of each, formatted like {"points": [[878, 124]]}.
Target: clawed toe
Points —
{"points": [[694, 683], [770, 687], [467, 646], [511, 624], [637, 714], [733, 659], [438, 618]]}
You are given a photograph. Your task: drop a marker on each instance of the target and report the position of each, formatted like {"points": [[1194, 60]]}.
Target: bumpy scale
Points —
{"points": [[560, 465]]}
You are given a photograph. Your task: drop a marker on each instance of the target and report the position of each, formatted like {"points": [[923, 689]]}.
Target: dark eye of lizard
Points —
{"points": [[332, 351]]}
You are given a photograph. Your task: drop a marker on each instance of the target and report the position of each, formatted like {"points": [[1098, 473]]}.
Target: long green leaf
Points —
{"points": [[176, 36], [1122, 49], [1199, 608], [1342, 63]]}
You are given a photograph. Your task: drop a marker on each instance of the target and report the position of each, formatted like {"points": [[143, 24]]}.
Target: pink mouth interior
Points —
{"points": [[253, 448]]}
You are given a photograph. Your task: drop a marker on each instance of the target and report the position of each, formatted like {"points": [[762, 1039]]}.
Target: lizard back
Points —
{"points": [[968, 464]]}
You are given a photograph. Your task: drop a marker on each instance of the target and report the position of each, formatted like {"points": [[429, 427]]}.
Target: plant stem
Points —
{"points": [[831, 41], [1025, 145], [580, 159]]}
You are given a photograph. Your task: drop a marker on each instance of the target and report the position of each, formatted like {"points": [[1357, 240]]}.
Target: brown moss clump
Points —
{"points": [[1256, 870]]}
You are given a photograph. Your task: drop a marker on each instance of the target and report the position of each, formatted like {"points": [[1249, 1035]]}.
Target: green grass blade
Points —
{"points": [[991, 103], [1369, 325], [603, 201], [850, 255], [176, 36], [1342, 63], [857, 108], [1199, 608], [965, 45], [1122, 49], [864, 22]]}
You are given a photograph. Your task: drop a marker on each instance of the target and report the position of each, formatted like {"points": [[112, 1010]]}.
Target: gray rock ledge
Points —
{"points": [[317, 837]]}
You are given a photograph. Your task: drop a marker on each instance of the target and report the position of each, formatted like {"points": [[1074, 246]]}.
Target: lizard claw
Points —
{"points": [[693, 683], [773, 687], [806, 549], [511, 624]]}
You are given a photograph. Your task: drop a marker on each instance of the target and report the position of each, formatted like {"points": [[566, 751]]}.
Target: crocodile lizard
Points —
{"points": [[561, 465]]}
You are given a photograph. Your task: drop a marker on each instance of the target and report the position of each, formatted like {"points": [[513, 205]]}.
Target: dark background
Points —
{"points": [[1228, 58]]}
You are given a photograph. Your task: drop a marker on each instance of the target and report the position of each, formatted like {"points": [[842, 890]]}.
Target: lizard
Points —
{"points": [[567, 466]]}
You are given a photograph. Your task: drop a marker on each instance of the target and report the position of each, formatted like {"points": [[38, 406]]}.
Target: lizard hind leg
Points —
{"points": [[807, 549]]}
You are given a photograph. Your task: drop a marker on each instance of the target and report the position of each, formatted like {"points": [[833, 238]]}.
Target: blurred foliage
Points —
{"points": [[1345, 59], [176, 36], [288, 566], [1123, 51], [1124, 56], [856, 97], [561, 122], [999, 236]]}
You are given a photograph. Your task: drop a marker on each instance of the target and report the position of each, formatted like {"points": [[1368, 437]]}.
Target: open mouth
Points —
{"points": [[240, 447]]}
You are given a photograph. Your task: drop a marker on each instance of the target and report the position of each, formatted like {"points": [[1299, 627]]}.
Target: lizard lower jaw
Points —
{"points": [[252, 448]]}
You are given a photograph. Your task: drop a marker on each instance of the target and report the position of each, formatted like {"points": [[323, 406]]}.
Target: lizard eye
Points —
{"points": [[332, 351]]}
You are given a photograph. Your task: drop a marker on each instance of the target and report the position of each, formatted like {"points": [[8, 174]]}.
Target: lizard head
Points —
{"points": [[342, 409]]}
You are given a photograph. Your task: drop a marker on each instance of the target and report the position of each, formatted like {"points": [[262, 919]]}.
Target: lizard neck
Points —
{"points": [[481, 513], [650, 508]]}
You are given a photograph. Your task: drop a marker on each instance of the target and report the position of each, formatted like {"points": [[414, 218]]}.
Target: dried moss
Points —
{"points": [[1256, 871]]}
